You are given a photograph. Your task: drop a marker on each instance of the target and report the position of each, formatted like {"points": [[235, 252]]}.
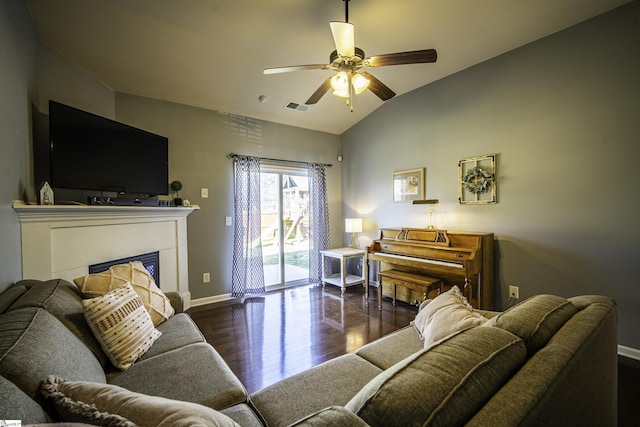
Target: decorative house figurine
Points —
{"points": [[46, 194]]}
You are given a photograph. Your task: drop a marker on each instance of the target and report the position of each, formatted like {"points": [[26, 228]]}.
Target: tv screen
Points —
{"points": [[90, 152]]}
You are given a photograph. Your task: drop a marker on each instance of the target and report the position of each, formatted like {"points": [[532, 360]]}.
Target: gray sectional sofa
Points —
{"points": [[546, 361]]}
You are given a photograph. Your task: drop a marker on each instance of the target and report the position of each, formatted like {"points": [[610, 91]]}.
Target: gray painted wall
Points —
{"points": [[65, 82], [199, 141], [562, 115], [18, 88]]}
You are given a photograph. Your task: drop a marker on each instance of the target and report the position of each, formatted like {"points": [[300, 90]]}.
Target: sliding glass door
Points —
{"points": [[285, 224]]}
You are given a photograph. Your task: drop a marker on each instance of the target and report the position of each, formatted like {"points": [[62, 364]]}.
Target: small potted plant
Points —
{"points": [[176, 186]]}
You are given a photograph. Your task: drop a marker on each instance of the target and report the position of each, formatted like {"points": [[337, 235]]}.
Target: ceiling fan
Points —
{"points": [[350, 62]]}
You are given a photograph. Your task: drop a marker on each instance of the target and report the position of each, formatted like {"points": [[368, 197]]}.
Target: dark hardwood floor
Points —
{"points": [[278, 334], [628, 392]]}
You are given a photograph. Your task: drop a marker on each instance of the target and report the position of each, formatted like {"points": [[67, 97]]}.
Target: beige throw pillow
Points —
{"points": [[107, 404], [121, 325], [446, 314], [135, 273]]}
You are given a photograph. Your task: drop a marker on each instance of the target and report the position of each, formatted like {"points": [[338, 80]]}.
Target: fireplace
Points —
{"points": [[64, 241], [151, 262]]}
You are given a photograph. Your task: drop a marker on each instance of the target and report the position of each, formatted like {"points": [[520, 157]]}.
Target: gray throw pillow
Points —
{"points": [[107, 404], [445, 384]]}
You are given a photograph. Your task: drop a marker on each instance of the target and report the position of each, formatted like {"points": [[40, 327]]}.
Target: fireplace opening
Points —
{"points": [[151, 262]]}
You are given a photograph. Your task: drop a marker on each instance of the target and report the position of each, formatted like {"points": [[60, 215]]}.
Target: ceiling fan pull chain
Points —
{"points": [[351, 94]]}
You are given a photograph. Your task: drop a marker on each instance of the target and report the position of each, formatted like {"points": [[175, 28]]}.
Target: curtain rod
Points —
{"points": [[234, 155]]}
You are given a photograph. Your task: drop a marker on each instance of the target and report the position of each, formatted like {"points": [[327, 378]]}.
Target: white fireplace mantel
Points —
{"points": [[62, 241]]}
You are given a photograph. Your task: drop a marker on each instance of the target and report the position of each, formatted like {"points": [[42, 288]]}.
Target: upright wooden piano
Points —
{"points": [[417, 262]]}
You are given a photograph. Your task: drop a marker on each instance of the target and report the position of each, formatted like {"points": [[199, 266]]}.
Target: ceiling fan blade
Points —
{"points": [[381, 90], [277, 70], [319, 93], [344, 38], [401, 58]]}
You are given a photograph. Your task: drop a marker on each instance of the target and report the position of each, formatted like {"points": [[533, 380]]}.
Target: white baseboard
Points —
{"points": [[227, 297], [210, 300], [631, 353]]}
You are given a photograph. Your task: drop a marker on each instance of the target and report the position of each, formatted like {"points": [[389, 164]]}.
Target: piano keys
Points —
{"points": [[455, 258]]}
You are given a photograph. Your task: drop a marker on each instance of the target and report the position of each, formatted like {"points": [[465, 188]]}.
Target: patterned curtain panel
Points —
{"points": [[318, 220], [247, 274]]}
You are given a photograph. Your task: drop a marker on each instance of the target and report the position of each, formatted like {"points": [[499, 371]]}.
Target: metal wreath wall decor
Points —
{"points": [[476, 180]]}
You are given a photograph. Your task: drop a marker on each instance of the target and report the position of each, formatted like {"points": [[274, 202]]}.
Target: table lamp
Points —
{"points": [[353, 226]]}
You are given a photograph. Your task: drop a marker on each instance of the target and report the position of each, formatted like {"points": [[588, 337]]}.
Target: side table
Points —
{"points": [[343, 279]]}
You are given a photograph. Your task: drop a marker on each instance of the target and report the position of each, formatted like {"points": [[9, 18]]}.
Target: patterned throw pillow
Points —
{"points": [[135, 273], [446, 314], [121, 325]]}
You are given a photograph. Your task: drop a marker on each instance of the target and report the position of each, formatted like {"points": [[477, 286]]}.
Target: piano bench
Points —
{"points": [[411, 281]]}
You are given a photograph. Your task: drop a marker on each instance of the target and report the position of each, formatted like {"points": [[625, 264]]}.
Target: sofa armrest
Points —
{"points": [[176, 300]]}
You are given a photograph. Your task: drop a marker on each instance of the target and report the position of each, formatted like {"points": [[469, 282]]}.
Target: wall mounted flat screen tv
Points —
{"points": [[90, 152]]}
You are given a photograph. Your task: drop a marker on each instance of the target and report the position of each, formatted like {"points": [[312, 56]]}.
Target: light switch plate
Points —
{"points": [[204, 193]]}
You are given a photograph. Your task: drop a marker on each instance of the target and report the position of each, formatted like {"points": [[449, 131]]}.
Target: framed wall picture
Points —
{"points": [[408, 185], [477, 183]]}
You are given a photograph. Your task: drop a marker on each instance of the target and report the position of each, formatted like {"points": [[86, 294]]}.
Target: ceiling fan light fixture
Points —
{"points": [[340, 82], [342, 93], [360, 83]]}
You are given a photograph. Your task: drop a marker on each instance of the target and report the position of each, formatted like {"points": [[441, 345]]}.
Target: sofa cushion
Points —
{"points": [[121, 324], [334, 416], [16, 405], [388, 350], [535, 320], [331, 383], [135, 273], [444, 384], [88, 402], [10, 295], [446, 314], [62, 299], [243, 415], [177, 332], [34, 344], [195, 373]]}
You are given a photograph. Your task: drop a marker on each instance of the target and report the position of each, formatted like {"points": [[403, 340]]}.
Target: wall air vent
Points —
{"points": [[296, 106]]}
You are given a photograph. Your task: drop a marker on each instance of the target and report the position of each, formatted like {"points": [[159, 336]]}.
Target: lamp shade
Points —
{"points": [[344, 38], [360, 83], [353, 225]]}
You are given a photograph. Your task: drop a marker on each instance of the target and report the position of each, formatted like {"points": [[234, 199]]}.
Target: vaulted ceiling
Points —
{"points": [[211, 53]]}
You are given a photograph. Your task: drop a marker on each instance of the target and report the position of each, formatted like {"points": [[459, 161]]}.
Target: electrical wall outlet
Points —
{"points": [[514, 292], [204, 193], [206, 277]]}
